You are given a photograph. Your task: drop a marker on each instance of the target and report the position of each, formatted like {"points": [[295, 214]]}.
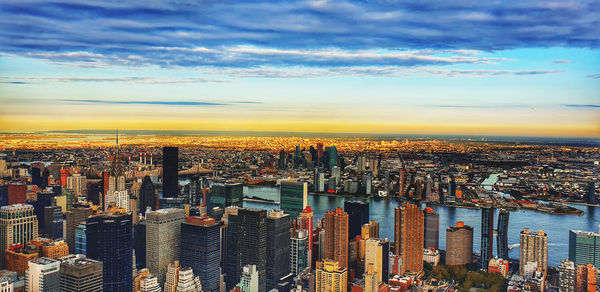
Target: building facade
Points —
{"points": [[459, 244], [534, 248], [336, 236], [409, 237], [163, 238], [18, 225]]}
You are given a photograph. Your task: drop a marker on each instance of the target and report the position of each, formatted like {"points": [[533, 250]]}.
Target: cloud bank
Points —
{"points": [[234, 34]]}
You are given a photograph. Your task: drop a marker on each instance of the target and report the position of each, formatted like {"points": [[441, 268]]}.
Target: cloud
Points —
{"points": [[594, 76], [145, 102], [123, 79], [590, 106], [370, 71], [233, 34], [562, 61]]}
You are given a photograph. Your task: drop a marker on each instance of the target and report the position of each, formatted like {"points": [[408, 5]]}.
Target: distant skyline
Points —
{"points": [[507, 68]]}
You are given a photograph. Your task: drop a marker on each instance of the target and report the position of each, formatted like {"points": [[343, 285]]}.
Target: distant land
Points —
{"points": [[523, 140]]}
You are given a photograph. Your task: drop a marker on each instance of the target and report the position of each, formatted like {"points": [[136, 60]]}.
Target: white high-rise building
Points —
{"points": [[42, 275], [249, 281], [119, 199], [150, 284]]}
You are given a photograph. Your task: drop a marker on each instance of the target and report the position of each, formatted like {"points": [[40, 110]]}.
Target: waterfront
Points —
{"points": [[556, 226]]}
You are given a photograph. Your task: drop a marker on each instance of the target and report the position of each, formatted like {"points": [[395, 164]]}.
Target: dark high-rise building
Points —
{"points": [[252, 242], [170, 169], [336, 236], [44, 199], [282, 162], [591, 193], [225, 195], [278, 247], [232, 258], [109, 240], [319, 154], [432, 229], [3, 195], [502, 238], [409, 237], [200, 250], [293, 197], [74, 217], [36, 176], [358, 215], [54, 218], [487, 236], [80, 274], [333, 157], [94, 191], [139, 238], [148, 196]]}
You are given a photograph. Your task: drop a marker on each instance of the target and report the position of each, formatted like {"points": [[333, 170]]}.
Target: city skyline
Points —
{"points": [[511, 69]]}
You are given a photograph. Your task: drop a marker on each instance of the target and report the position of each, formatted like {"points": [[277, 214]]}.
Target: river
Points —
{"points": [[556, 226]]}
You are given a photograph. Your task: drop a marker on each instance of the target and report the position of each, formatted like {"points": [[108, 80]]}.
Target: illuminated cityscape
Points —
{"points": [[299, 146]]}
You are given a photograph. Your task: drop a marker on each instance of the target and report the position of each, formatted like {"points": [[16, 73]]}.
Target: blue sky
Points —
{"points": [[467, 67]]}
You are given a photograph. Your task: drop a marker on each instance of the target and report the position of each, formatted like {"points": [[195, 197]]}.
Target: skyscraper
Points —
{"points": [[459, 244], [377, 252], [43, 275], [336, 236], [200, 250], [331, 277], [252, 242], [18, 225], [74, 218], [487, 236], [358, 215], [502, 238], [305, 221], [148, 196], [409, 237], [299, 252], [591, 193], [534, 248], [200, 242], [293, 197], [225, 195], [109, 240], [80, 274], [333, 157], [232, 257], [170, 168], [584, 247], [432, 229], [163, 231], [278, 247]]}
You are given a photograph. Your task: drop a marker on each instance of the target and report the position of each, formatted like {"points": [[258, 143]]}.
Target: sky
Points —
{"points": [[516, 68]]}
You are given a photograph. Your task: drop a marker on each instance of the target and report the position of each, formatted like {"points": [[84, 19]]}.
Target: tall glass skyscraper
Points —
{"points": [[358, 215], [502, 238], [252, 242], [293, 197], [584, 247], [200, 250], [225, 195], [278, 247], [487, 236], [170, 169], [109, 240]]}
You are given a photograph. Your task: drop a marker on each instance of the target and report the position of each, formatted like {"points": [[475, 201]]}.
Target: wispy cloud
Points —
{"points": [[562, 61], [124, 79], [594, 76], [289, 33], [590, 106], [144, 102]]}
